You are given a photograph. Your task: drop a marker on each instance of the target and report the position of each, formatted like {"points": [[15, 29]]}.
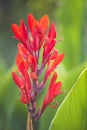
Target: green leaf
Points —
{"points": [[72, 114]]}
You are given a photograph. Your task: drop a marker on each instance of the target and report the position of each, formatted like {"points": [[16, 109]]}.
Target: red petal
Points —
{"points": [[18, 80], [54, 54], [36, 40], [47, 40], [32, 62], [31, 22], [52, 32], [44, 22], [57, 61], [51, 67], [45, 103], [56, 89], [53, 80], [27, 81], [24, 29], [16, 30], [22, 50], [19, 60], [48, 48], [48, 98], [47, 72], [25, 98], [21, 63], [51, 45]]}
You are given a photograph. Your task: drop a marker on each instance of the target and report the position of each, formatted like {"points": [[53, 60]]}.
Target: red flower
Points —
{"points": [[42, 25], [50, 42], [23, 80], [32, 42], [38, 30], [57, 58], [54, 90]]}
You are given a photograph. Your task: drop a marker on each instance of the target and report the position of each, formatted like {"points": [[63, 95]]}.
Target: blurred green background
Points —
{"points": [[70, 17]]}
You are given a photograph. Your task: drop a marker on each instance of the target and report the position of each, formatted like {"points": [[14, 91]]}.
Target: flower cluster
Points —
{"points": [[36, 42]]}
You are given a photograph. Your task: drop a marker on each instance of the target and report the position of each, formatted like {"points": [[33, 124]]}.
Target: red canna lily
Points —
{"points": [[23, 79], [54, 90], [21, 32], [50, 42], [42, 25], [38, 31], [34, 40], [51, 66]]}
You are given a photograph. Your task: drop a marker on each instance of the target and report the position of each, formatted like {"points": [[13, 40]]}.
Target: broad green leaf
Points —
{"points": [[72, 114]]}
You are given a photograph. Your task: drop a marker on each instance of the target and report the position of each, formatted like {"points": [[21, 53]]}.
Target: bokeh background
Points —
{"points": [[70, 17]]}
